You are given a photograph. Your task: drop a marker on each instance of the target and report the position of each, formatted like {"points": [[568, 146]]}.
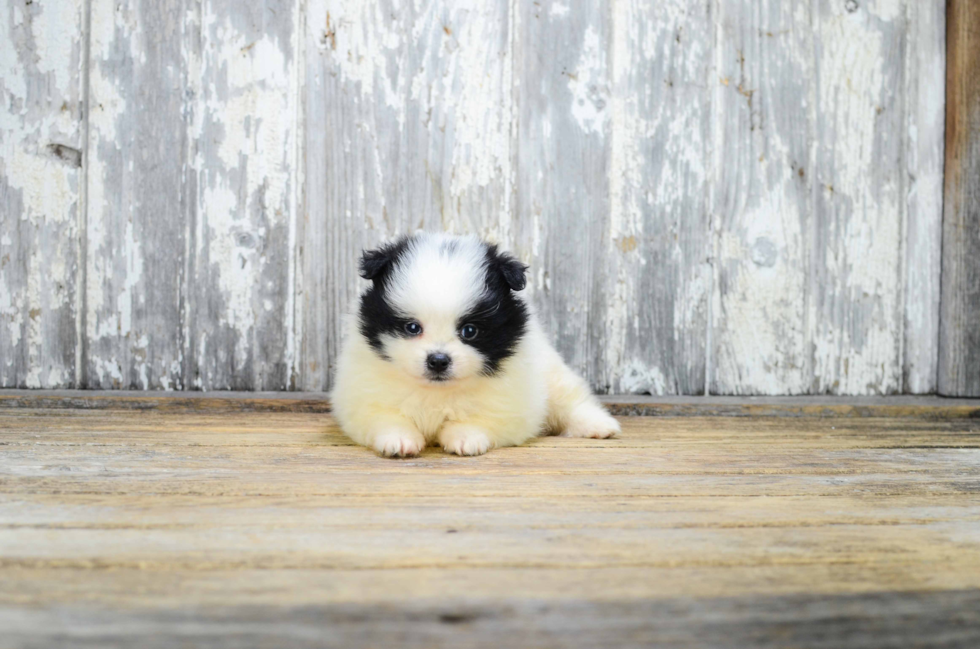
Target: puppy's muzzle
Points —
{"points": [[438, 365]]}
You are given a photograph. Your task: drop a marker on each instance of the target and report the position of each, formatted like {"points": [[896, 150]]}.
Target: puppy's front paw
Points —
{"points": [[399, 443], [464, 440], [589, 420]]}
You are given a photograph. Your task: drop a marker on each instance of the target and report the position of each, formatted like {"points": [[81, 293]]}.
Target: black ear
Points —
{"points": [[375, 263], [509, 268]]}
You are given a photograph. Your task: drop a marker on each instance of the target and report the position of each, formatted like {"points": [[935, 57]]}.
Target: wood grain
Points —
{"points": [[190, 243], [246, 128], [41, 144], [653, 265], [855, 300], [763, 92], [564, 77], [959, 355], [272, 528], [890, 620], [925, 80], [137, 153]]}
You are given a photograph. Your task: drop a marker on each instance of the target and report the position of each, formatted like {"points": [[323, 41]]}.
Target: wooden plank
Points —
{"points": [[143, 482], [41, 134], [176, 513], [959, 346], [193, 289], [653, 277], [925, 117], [764, 96], [855, 313], [403, 589], [148, 456], [657, 459], [563, 75], [846, 621], [575, 545], [246, 129], [29, 427], [409, 127], [138, 156]]}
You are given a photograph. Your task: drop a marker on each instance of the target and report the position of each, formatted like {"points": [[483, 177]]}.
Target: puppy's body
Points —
{"points": [[445, 351]]}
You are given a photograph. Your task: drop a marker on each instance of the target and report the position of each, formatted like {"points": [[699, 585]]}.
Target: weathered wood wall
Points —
{"points": [[743, 196]]}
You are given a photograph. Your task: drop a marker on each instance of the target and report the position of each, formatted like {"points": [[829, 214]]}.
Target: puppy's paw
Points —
{"points": [[399, 443], [464, 440], [590, 420]]}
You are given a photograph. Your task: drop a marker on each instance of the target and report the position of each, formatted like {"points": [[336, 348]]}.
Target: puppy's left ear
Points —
{"points": [[509, 268]]}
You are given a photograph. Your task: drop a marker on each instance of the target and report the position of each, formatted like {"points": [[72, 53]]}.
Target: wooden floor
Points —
{"points": [[159, 528]]}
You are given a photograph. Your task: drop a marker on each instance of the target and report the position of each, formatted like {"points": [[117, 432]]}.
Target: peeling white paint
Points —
{"points": [[625, 216], [889, 10], [40, 87], [656, 177], [557, 10], [925, 158], [589, 86], [133, 274], [360, 36], [639, 379], [108, 105], [762, 206], [865, 256], [247, 182]]}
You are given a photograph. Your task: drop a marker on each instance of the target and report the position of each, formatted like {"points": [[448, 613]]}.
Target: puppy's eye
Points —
{"points": [[468, 332], [413, 328]]}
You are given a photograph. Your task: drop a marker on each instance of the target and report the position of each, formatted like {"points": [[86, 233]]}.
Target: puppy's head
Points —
{"points": [[442, 308]]}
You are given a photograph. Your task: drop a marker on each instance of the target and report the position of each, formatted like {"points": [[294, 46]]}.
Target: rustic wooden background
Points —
{"points": [[743, 196]]}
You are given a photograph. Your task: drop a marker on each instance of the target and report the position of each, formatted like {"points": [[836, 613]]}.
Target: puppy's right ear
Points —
{"points": [[375, 263]]}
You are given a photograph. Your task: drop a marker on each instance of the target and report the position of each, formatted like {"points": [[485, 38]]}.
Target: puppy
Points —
{"points": [[445, 351]]}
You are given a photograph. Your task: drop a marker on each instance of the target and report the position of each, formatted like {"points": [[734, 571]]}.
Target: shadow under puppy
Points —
{"points": [[445, 351]]}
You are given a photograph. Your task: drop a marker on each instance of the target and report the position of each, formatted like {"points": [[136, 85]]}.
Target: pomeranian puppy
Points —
{"points": [[445, 351]]}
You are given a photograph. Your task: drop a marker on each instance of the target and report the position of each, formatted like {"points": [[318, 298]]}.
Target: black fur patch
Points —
{"points": [[377, 264], [500, 318], [510, 269], [376, 317]]}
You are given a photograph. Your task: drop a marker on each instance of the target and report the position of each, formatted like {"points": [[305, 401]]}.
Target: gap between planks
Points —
{"points": [[914, 407]]}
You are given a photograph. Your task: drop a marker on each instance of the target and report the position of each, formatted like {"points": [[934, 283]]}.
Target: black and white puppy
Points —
{"points": [[445, 351]]}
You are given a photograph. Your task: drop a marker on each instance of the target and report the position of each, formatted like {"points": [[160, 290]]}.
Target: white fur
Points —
{"points": [[390, 405]]}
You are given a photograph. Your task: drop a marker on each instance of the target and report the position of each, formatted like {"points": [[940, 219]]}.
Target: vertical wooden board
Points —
{"points": [[764, 96], [136, 199], [40, 174], [564, 87], [246, 131], [926, 123], [408, 127], [652, 261], [959, 353], [856, 305]]}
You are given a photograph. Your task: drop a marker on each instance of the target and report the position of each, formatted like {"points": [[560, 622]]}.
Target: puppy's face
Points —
{"points": [[441, 307]]}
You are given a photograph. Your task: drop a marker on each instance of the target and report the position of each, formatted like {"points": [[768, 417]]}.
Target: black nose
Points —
{"points": [[438, 362]]}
